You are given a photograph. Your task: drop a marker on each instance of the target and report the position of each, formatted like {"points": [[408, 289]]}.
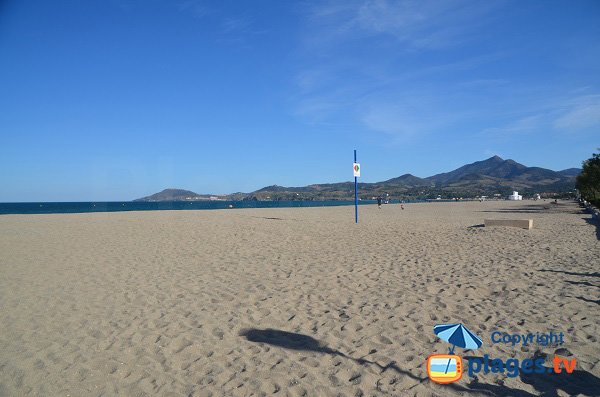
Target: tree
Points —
{"points": [[588, 182]]}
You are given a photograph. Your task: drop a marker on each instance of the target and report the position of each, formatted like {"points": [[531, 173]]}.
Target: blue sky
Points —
{"points": [[118, 99]]}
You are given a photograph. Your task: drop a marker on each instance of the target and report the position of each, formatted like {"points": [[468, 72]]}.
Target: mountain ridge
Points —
{"points": [[486, 177], [175, 195]]}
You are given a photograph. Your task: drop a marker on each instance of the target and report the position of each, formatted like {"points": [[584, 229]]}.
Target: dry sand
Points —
{"points": [[261, 302]]}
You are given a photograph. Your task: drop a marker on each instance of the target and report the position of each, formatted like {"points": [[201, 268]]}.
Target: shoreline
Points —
{"points": [[33, 208]]}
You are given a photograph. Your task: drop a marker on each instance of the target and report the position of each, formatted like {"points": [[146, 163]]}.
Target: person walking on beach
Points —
{"points": [[379, 202]]}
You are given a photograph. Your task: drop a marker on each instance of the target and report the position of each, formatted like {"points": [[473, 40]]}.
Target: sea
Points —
{"points": [[119, 206]]}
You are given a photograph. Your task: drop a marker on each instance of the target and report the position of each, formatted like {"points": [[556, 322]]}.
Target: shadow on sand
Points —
{"points": [[539, 208], [546, 384], [549, 383], [476, 226], [294, 341], [526, 209], [596, 301], [588, 284], [516, 211], [595, 274], [594, 222]]}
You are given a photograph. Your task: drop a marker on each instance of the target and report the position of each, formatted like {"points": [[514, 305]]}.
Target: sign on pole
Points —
{"points": [[356, 168]]}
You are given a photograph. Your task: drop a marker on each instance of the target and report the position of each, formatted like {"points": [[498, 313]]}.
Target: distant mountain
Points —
{"points": [[487, 177], [494, 167], [407, 180], [498, 173], [570, 172], [276, 188], [174, 195]]}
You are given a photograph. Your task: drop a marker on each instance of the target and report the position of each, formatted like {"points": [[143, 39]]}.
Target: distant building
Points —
{"points": [[515, 196]]}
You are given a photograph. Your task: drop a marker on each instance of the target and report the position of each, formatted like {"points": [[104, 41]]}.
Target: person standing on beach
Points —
{"points": [[379, 201]]}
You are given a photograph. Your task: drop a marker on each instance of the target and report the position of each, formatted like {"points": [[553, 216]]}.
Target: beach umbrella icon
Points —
{"points": [[457, 335]]}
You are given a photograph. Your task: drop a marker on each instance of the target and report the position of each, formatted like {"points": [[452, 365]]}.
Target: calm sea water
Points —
{"points": [[116, 206]]}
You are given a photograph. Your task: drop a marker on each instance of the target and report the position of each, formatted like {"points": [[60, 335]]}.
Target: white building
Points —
{"points": [[515, 196]]}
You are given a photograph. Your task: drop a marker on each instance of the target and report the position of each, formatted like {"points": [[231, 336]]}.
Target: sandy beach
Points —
{"points": [[293, 302]]}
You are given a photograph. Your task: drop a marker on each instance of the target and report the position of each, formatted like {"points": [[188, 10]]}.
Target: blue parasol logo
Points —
{"points": [[457, 335]]}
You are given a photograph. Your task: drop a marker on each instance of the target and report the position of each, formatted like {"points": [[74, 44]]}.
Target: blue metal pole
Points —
{"points": [[355, 194]]}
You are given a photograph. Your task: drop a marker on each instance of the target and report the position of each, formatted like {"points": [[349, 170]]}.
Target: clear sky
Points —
{"points": [[118, 99]]}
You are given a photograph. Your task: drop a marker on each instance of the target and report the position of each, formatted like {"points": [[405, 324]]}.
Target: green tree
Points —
{"points": [[588, 182]]}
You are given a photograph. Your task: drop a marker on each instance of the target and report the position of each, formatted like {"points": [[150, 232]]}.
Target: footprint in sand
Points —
{"points": [[385, 340], [218, 333]]}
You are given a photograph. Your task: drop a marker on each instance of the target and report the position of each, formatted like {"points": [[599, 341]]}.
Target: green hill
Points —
{"points": [[487, 177]]}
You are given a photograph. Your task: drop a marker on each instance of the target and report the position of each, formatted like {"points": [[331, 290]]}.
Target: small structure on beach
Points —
{"points": [[515, 196]]}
